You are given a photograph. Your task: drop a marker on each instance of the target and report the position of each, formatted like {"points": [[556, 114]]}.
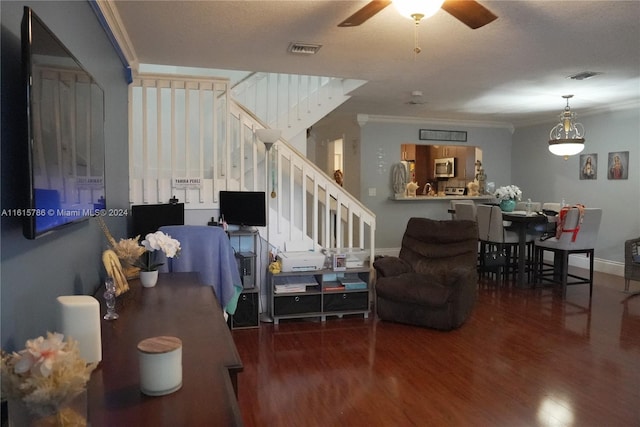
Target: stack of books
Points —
{"points": [[294, 284], [353, 282], [286, 289]]}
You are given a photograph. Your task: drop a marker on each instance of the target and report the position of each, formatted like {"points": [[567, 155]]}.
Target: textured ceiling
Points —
{"points": [[514, 70]]}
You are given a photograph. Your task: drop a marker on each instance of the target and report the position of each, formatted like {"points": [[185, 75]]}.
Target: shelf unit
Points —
{"points": [[245, 245], [322, 298]]}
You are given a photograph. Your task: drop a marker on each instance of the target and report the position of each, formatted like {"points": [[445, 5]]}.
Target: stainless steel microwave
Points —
{"points": [[445, 167]]}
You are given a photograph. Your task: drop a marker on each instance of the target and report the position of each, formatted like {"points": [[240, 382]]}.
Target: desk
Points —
{"points": [[520, 222], [179, 305]]}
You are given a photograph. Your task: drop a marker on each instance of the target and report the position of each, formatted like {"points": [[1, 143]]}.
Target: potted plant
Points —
{"points": [[148, 261], [508, 195]]}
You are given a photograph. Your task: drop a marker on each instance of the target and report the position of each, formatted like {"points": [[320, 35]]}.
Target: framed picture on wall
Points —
{"points": [[588, 166], [618, 165]]}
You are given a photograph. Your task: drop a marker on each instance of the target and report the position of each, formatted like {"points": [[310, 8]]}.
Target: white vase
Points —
{"points": [[149, 278]]}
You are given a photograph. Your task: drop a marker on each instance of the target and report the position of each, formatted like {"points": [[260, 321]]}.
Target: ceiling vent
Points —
{"points": [[584, 75], [304, 48]]}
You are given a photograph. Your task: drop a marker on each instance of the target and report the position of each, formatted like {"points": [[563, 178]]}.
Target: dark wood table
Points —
{"points": [[520, 222], [179, 305]]}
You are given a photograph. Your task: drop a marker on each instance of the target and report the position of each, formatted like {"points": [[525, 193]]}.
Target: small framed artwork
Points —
{"points": [[339, 262], [618, 165], [588, 166], [442, 135]]}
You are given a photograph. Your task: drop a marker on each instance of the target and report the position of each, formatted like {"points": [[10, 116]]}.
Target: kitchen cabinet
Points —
{"points": [[408, 151], [424, 155]]}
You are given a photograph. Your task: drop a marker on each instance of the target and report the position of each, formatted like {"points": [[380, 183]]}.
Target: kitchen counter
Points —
{"points": [[423, 198]]}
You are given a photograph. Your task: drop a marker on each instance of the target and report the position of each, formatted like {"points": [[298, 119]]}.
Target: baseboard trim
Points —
{"points": [[578, 260]]}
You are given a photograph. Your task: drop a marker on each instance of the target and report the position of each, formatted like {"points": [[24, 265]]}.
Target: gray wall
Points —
{"points": [[392, 216], [551, 178], [67, 262]]}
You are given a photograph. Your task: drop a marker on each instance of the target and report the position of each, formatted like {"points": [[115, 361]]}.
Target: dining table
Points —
{"points": [[521, 222]]}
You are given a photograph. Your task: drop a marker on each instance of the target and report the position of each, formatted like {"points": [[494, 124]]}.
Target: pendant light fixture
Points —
{"points": [[417, 10], [567, 137]]}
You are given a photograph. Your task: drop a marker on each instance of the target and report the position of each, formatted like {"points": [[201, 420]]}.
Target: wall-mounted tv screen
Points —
{"points": [[65, 117], [243, 208]]}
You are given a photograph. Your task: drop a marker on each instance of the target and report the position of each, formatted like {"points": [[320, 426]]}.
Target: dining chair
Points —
{"points": [[494, 236], [465, 211], [206, 250], [631, 262], [577, 235], [455, 203], [522, 206], [552, 206]]}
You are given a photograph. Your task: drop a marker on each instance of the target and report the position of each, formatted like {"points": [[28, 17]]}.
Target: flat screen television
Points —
{"points": [[148, 218], [65, 135], [243, 208]]}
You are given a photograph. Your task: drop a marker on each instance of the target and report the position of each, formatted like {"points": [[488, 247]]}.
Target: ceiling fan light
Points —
{"points": [[417, 9]]}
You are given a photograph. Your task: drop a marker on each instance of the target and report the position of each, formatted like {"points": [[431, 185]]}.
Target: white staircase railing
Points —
{"points": [[291, 102], [183, 127]]}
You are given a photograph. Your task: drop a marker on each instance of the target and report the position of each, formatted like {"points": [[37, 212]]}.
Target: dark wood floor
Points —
{"points": [[524, 358]]}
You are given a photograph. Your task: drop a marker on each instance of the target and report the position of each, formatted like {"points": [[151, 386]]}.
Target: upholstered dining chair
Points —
{"points": [[631, 262], [578, 234], [454, 207], [494, 236], [522, 206], [465, 211], [207, 251]]}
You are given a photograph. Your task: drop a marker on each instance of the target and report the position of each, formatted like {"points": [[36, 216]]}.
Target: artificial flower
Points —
{"points": [[508, 192], [129, 250], [46, 375], [153, 242]]}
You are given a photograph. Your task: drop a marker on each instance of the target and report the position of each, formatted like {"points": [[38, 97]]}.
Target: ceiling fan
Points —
{"points": [[469, 12]]}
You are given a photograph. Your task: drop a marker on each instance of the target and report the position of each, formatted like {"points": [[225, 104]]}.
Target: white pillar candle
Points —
{"points": [[79, 318], [160, 365]]}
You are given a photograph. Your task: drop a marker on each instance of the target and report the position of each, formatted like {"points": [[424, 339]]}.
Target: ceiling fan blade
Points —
{"points": [[366, 12], [469, 12]]}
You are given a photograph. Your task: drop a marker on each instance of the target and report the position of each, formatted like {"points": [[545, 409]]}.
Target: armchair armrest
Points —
{"points": [[389, 266], [631, 250]]}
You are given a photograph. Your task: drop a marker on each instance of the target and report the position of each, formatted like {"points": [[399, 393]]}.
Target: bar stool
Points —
{"points": [[578, 233]]}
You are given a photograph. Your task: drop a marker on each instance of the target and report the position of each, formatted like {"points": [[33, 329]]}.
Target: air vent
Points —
{"points": [[584, 75], [304, 48]]}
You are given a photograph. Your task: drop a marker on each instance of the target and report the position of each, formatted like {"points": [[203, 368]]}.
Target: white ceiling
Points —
{"points": [[514, 70]]}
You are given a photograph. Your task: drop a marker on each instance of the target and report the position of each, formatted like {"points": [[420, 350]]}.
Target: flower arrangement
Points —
{"points": [[47, 375], [508, 192], [153, 242]]}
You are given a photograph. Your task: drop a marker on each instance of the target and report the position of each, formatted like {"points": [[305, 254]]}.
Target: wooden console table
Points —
{"points": [[179, 305]]}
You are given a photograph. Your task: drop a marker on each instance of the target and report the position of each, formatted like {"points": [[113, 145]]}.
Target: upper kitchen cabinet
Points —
{"points": [[425, 155], [408, 152]]}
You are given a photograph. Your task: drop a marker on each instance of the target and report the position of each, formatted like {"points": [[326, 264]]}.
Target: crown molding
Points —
{"points": [[112, 23], [366, 118]]}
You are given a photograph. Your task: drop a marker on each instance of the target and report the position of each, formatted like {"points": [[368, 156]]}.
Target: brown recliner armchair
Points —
{"points": [[433, 282]]}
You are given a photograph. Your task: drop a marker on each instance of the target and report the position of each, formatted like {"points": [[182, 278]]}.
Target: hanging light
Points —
{"points": [[567, 137], [417, 10]]}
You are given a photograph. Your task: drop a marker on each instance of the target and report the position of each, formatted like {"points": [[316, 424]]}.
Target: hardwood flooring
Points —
{"points": [[524, 358]]}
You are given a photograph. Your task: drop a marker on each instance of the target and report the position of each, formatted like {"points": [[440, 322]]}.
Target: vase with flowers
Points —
{"points": [[508, 195], [45, 384], [148, 262]]}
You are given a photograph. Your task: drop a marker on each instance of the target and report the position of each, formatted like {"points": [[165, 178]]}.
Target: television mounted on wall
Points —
{"points": [[243, 208], [65, 134]]}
